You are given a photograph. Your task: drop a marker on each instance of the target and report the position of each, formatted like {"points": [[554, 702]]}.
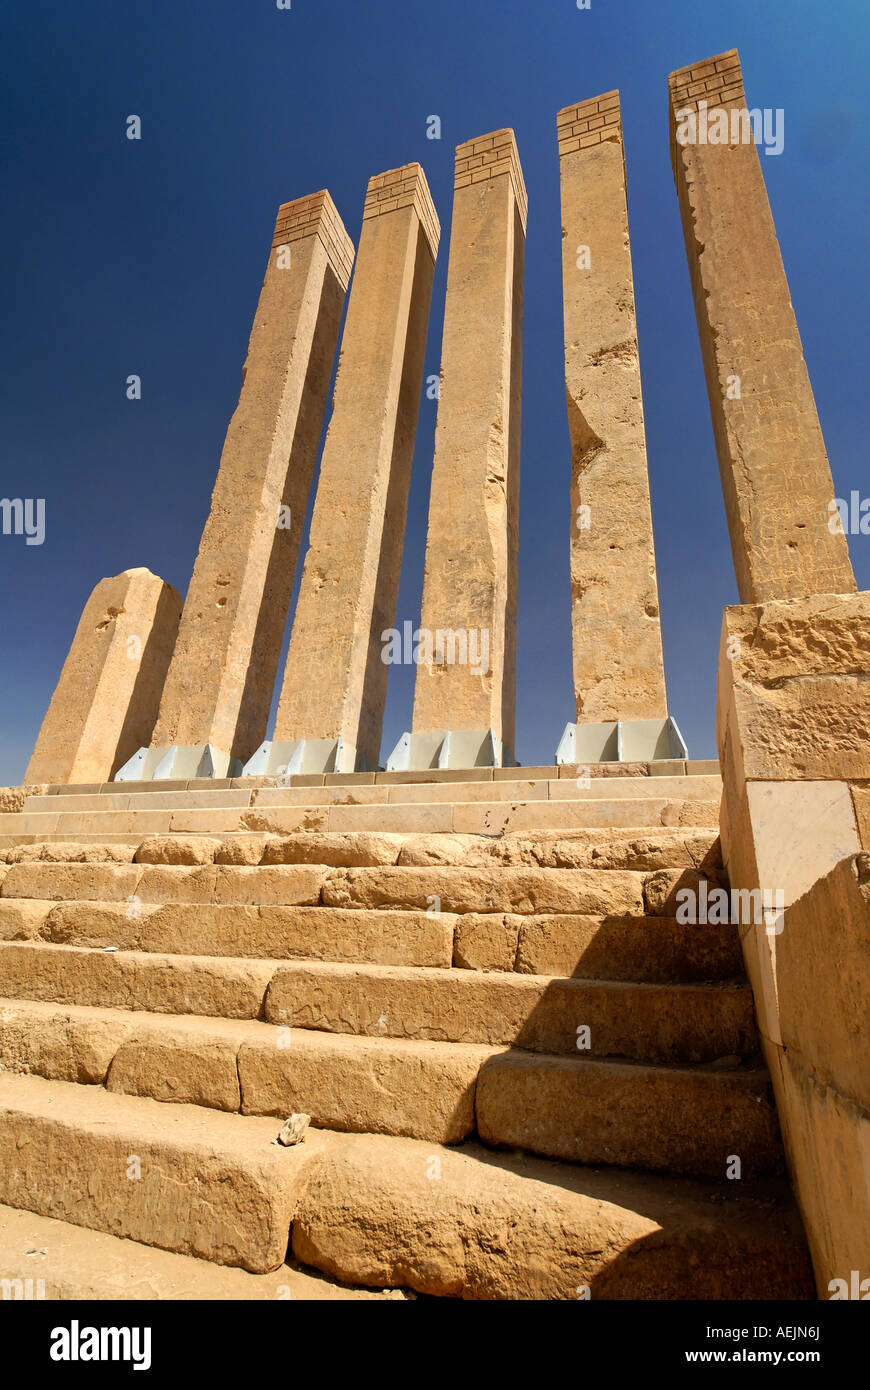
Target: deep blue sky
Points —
{"points": [[148, 257]]}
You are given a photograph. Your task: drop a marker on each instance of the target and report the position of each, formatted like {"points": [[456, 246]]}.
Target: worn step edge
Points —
{"points": [[421, 1089], [557, 945], [469, 1223], [425, 816], [657, 849], [44, 1258], [678, 1118], [694, 1121], [601, 1018], [181, 1177]]}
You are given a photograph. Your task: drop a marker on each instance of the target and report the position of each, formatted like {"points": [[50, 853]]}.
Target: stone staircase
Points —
{"points": [[525, 1077]]}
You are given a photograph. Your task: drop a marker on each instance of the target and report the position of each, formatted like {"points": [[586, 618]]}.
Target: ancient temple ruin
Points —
{"points": [[535, 1062]]}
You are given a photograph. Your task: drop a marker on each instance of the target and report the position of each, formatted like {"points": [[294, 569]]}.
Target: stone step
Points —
{"points": [[581, 849], [265, 933], [280, 884], [611, 892], [471, 817], [469, 1223], [433, 889], [424, 1090], [180, 1177], [657, 950], [647, 1023], [654, 949], [379, 1211], [644, 1022], [43, 1258], [704, 788], [673, 1119], [677, 1119]]}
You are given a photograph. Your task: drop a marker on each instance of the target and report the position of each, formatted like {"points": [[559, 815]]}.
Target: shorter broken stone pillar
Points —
{"points": [[775, 474], [794, 742], [619, 675], [106, 700], [465, 691], [331, 707]]}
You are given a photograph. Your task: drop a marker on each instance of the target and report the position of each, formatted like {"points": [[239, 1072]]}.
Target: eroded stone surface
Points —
{"points": [[105, 703], [335, 686], [793, 687], [219, 686], [471, 547], [775, 473], [617, 643], [496, 1226]]}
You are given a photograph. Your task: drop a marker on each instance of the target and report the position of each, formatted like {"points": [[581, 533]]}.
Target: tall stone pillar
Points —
{"points": [[775, 473], [218, 692], [618, 663], [332, 700], [106, 699], [465, 693]]}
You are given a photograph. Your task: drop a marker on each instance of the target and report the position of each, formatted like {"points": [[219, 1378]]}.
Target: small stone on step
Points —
{"points": [[293, 1130]]}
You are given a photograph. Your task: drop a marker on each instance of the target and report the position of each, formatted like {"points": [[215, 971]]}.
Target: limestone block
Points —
{"points": [[422, 818], [800, 831], [21, 918], [792, 687], [670, 1118], [105, 702], [219, 687], [423, 1090], [242, 849], [191, 1061], [628, 949], [775, 474], [617, 644], [645, 1022], [486, 941], [334, 682], [60, 1043], [101, 882], [488, 890], [272, 933], [470, 581], [126, 979], [498, 1226], [177, 849], [64, 1152], [823, 979], [72, 852], [827, 1139], [351, 850], [861, 802]]}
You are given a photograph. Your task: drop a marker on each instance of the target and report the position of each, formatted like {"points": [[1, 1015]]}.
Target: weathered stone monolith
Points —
{"points": [[332, 699], [106, 699], [219, 687], [775, 473], [618, 663], [466, 676]]}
